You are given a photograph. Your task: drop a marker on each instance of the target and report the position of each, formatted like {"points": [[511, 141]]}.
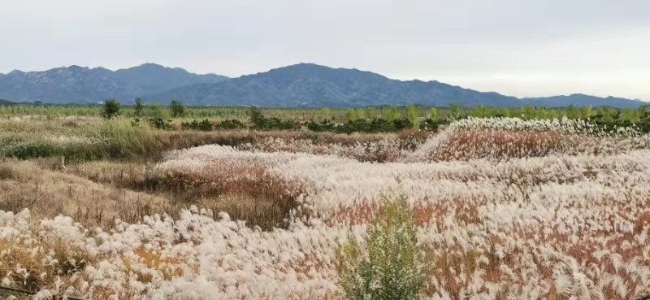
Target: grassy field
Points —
{"points": [[337, 115], [481, 208], [217, 113]]}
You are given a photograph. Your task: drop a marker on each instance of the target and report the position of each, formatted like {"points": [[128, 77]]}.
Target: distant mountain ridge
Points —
{"points": [[300, 85], [76, 84], [311, 85], [7, 103], [582, 100]]}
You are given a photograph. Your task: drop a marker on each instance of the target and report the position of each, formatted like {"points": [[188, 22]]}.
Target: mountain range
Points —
{"points": [[300, 85], [6, 103], [85, 85]]}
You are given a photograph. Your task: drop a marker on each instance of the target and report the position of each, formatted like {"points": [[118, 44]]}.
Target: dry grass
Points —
{"points": [[97, 193], [425, 212], [42, 264], [49, 193], [166, 267], [246, 192], [510, 229], [410, 139]]}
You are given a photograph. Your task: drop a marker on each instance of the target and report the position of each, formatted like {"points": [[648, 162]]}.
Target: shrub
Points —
{"points": [[158, 118], [259, 122], [429, 124], [322, 126], [401, 124], [204, 125], [111, 109], [356, 125], [159, 123], [381, 125], [230, 124], [269, 124], [390, 267], [70, 152], [362, 125]]}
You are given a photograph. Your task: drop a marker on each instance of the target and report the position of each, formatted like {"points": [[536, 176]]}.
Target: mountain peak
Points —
{"points": [[154, 66], [579, 95], [15, 72], [316, 67], [307, 65], [73, 68], [300, 67], [312, 70], [151, 65], [146, 66]]}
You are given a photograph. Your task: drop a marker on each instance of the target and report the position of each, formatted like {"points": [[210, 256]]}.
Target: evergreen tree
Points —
{"points": [[177, 109], [111, 108]]}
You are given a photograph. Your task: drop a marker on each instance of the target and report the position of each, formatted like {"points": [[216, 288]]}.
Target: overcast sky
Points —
{"points": [[515, 47]]}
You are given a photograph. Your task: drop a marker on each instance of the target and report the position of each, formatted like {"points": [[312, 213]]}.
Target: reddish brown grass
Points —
{"points": [[501, 144]]}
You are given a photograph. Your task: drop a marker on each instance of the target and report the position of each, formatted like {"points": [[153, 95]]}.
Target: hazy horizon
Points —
{"points": [[532, 49]]}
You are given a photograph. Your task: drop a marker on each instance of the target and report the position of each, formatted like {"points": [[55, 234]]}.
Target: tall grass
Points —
{"points": [[114, 139], [119, 139]]}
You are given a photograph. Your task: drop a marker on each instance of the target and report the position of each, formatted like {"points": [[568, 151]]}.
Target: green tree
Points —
{"points": [[434, 115], [527, 112], [177, 108], [454, 111], [585, 112], [643, 110], [139, 107], [351, 115], [111, 108], [392, 114], [414, 115], [391, 265], [479, 111], [371, 113], [572, 112], [256, 117], [361, 113], [543, 113], [607, 114], [324, 113]]}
